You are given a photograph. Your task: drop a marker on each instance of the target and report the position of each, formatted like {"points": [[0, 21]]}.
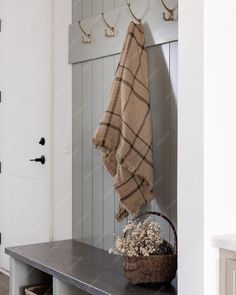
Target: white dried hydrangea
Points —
{"points": [[141, 239]]}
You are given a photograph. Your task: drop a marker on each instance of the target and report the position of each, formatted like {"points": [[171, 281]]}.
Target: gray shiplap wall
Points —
{"points": [[94, 200]]}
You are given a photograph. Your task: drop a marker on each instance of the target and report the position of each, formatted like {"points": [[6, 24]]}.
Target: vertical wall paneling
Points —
{"points": [[119, 3], [86, 8], [97, 86], [158, 60], [77, 172], [173, 130], [77, 138], [87, 70], [108, 184], [118, 225], [98, 200], [76, 10], [94, 199], [108, 5], [109, 199], [97, 7]]}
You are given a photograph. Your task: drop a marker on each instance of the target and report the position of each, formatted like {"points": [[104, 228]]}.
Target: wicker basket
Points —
{"points": [[154, 268], [39, 290]]}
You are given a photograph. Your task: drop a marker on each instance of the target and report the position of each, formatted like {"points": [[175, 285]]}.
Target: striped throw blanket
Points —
{"points": [[124, 134]]}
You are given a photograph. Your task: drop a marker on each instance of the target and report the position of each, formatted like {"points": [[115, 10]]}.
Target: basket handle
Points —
{"points": [[164, 217]]}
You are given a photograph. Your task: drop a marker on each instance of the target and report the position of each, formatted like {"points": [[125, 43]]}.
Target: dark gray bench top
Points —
{"points": [[87, 268]]}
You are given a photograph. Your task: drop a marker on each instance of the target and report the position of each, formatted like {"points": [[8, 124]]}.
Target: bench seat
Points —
{"points": [[83, 267]]}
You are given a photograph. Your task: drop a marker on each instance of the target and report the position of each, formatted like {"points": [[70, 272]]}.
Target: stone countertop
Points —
{"points": [[226, 242], [87, 268]]}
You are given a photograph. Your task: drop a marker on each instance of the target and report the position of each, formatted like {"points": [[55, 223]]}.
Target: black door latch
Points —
{"points": [[42, 160]]}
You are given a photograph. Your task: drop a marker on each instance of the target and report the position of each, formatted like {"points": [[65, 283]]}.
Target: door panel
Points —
{"points": [[26, 79]]}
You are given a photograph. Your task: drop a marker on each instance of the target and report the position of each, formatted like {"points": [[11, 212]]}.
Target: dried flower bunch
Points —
{"points": [[140, 239]]}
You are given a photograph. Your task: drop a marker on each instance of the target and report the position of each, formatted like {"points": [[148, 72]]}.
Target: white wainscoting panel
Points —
{"points": [[94, 199]]}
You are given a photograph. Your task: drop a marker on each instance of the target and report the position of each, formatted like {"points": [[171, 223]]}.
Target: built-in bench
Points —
{"points": [[73, 268]]}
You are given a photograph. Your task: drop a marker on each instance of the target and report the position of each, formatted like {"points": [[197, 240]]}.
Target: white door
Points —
{"points": [[25, 79]]}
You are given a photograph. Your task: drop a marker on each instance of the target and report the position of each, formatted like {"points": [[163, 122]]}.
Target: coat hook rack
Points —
{"points": [[170, 16], [133, 15], [112, 31], [87, 38]]}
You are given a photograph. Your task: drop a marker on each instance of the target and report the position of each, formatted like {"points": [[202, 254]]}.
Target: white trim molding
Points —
{"points": [[62, 122]]}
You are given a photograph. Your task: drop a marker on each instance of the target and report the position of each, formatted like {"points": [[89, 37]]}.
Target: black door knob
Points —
{"points": [[42, 160]]}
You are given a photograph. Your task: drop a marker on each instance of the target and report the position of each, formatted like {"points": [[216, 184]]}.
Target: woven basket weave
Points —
{"points": [[155, 268], [39, 290]]}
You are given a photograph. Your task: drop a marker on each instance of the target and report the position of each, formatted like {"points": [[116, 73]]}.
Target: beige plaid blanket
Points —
{"points": [[124, 134]]}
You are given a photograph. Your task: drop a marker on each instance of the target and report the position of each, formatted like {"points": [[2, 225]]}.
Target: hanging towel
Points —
{"points": [[124, 134]]}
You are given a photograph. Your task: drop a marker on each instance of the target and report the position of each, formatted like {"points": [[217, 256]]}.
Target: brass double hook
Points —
{"points": [[108, 33], [87, 37], [111, 32], [131, 12], [170, 16]]}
